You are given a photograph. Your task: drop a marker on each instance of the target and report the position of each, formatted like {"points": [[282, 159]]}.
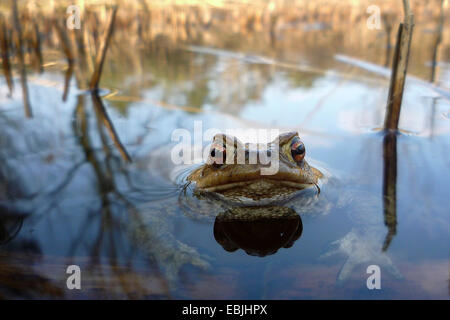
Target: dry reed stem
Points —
{"points": [[101, 53], [399, 68]]}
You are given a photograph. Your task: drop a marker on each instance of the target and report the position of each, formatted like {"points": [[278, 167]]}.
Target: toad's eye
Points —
{"points": [[297, 150], [217, 155]]}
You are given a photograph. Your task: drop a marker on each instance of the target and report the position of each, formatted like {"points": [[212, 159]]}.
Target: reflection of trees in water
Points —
{"points": [[150, 41], [301, 79], [274, 228], [184, 78], [125, 241], [239, 83], [120, 214]]}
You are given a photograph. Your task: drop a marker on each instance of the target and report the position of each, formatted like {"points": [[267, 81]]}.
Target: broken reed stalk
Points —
{"points": [[67, 48], [399, 68], [23, 72], [387, 22], [37, 46], [88, 49], [437, 43], [81, 50], [64, 40], [101, 52], [67, 78], [4, 47]]}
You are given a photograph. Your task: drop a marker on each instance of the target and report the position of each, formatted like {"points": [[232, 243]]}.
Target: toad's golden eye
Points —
{"points": [[217, 155], [297, 150]]}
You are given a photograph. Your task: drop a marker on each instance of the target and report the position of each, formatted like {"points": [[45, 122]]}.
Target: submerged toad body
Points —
{"points": [[242, 172]]}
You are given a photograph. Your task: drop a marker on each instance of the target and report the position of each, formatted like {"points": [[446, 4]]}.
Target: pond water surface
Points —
{"points": [[68, 197]]}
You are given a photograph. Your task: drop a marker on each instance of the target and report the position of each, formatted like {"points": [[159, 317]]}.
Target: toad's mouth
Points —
{"points": [[251, 176], [254, 185], [258, 190]]}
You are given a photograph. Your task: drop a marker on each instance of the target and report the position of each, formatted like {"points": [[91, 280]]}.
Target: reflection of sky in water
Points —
{"points": [[298, 107]]}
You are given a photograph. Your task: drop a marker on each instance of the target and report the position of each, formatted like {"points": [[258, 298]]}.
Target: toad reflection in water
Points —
{"points": [[275, 228]]}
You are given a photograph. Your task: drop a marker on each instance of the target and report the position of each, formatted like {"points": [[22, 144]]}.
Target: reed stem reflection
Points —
{"points": [[23, 72], [258, 237], [390, 186]]}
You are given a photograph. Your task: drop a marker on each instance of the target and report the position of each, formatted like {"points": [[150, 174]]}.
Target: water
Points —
{"points": [[67, 196]]}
